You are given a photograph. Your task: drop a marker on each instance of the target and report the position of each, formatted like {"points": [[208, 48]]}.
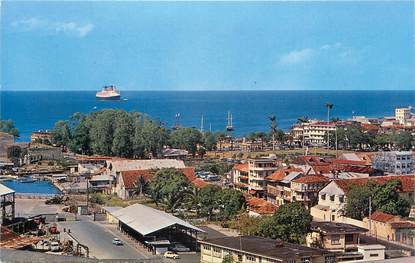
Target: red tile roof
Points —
{"points": [[311, 179], [407, 181], [283, 172], [403, 224], [131, 177], [243, 167], [261, 206], [382, 217]]}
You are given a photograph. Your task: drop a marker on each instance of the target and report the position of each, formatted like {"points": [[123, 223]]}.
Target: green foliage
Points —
{"points": [[7, 126], [230, 202], [216, 167], [97, 198], [291, 222], [170, 187], [14, 153], [208, 200], [404, 140], [228, 259], [385, 198], [61, 134], [209, 141], [186, 138]]}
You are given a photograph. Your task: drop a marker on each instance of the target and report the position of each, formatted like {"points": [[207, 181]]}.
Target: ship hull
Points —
{"points": [[109, 98]]}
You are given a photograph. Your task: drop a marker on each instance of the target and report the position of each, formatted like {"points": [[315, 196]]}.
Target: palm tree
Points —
{"points": [[273, 120], [329, 106], [302, 119]]}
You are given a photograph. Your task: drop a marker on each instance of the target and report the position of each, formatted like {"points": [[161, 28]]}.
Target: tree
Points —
{"points": [[387, 199], [357, 202], [122, 142], [169, 186], [61, 134], [291, 222], [404, 140], [208, 200], [228, 259], [7, 126], [154, 137], [81, 142], [102, 131], [230, 202], [14, 153], [209, 141], [186, 138]]}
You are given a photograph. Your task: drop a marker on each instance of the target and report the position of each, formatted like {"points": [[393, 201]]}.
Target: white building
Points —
{"points": [[403, 114], [258, 169], [313, 132], [395, 162]]}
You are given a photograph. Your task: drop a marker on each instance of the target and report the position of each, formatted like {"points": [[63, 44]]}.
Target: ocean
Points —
{"points": [[35, 110]]}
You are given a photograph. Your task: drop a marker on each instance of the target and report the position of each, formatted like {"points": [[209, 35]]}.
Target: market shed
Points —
{"points": [[156, 229]]}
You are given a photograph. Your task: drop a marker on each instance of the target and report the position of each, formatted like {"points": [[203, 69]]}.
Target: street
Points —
{"points": [[98, 239]]}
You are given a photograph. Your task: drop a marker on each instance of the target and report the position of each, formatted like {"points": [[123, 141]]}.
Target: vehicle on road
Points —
{"points": [[180, 248], [171, 254], [55, 247], [117, 242]]}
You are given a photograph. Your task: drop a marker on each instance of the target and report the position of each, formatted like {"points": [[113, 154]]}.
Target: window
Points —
{"points": [[374, 255], [240, 258], [349, 238], [332, 198], [330, 259], [291, 260], [217, 252], [250, 258], [333, 217], [323, 197], [206, 249], [341, 199], [305, 260], [335, 239]]}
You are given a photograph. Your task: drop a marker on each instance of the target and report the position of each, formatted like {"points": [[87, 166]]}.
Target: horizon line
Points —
{"points": [[195, 90]]}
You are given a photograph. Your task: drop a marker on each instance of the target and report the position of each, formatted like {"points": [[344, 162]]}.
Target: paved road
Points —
{"points": [[98, 239]]}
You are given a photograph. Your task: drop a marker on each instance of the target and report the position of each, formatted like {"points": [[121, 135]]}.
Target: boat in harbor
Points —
{"points": [[108, 93]]}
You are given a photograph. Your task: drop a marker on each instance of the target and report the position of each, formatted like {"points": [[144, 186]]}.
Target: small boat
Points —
{"points": [[27, 180]]}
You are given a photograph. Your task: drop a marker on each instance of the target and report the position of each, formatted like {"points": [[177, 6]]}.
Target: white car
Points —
{"points": [[55, 247], [170, 254]]}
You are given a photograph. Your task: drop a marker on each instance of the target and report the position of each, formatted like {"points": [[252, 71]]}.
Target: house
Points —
{"points": [[313, 132], [101, 183], [41, 137], [372, 252], [239, 176], [127, 182], [250, 249], [258, 170], [395, 162], [403, 114], [336, 237], [278, 184], [332, 198], [391, 227], [260, 207], [305, 189], [171, 153]]}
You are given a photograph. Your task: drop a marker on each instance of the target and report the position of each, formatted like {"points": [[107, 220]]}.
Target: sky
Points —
{"points": [[207, 45]]}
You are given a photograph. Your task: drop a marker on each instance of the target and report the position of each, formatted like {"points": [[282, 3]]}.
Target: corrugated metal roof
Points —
{"points": [[4, 190], [146, 220], [126, 165], [291, 176]]}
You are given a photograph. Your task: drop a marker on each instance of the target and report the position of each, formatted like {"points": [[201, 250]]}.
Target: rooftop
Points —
{"points": [[146, 220], [311, 179], [4, 190], [407, 181], [265, 247], [331, 227], [126, 165]]}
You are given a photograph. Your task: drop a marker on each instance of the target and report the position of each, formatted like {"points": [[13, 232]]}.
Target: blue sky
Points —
{"points": [[207, 46]]}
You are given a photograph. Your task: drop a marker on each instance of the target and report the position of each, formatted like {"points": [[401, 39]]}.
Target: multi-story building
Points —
{"points": [[252, 249], [313, 133], [395, 162], [291, 185], [403, 114], [258, 170], [336, 237], [239, 176]]}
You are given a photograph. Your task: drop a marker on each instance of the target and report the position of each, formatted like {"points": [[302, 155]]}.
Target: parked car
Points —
{"points": [[171, 254], [180, 248], [55, 247], [117, 242]]}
